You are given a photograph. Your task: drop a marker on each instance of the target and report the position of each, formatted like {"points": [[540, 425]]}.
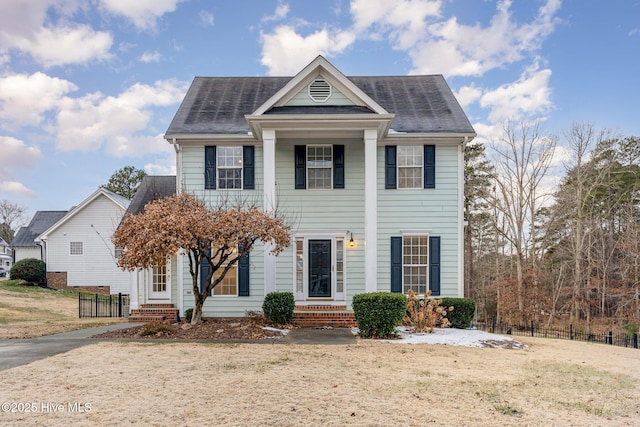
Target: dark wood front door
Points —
{"points": [[319, 268]]}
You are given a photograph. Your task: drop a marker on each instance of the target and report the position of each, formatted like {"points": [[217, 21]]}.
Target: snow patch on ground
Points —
{"points": [[282, 331], [455, 337]]}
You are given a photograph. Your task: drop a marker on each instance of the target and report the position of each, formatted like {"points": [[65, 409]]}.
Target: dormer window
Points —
{"points": [[319, 89]]}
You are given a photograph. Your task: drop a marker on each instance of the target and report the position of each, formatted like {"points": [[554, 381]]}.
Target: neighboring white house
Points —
{"points": [[78, 248], [24, 243], [370, 167], [6, 255]]}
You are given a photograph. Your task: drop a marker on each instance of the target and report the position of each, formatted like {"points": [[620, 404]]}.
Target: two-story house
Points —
{"points": [[369, 170]]}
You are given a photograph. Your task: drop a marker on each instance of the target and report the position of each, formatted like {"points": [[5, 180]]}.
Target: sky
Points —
{"points": [[90, 86]]}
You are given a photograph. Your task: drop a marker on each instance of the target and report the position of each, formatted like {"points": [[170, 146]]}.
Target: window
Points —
{"points": [[415, 262], [229, 284], [410, 166], [229, 161], [75, 248], [117, 252], [229, 167], [319, 166]]}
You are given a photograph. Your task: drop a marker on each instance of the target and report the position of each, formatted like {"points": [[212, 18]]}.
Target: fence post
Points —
{"points": [[532, 328], [79, 306], [119, 304], [635, 340], [610, 338], [571, 331]]}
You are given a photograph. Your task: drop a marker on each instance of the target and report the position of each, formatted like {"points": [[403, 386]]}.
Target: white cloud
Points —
{"points": [[468, 95], [166, 166], [16, 154], [120, 123], [282, 10], [25, 98], [142, 13], [285, 52], [528, 96], [17, 188], [207, 19], [149, 57], [26, 27]]}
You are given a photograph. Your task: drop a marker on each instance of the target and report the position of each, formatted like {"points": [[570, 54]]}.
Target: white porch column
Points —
{"points": [[133, 290], [370, 211], [269, 184]]}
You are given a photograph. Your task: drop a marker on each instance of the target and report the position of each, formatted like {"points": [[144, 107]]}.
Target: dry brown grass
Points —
{"points": [[27, 311]]}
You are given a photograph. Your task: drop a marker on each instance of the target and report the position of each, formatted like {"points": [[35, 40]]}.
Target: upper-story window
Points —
{"points": [[229, 167], [229, 161], [410, 166], [319, 166]]}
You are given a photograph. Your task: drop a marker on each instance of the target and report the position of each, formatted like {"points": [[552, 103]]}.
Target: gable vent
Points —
{"points": [[319, 90]]}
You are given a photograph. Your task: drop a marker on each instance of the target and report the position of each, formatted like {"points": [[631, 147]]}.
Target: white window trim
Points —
{"points": [[219, 168], [398, 167], [307, 167], [237, 270], [407, 233]]}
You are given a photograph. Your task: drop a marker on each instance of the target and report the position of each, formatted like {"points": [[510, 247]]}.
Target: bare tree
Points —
{"points": [[522, 157], [11, 217]]}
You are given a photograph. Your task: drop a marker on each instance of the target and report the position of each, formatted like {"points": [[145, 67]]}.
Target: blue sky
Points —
{"points": [[87, 87]]}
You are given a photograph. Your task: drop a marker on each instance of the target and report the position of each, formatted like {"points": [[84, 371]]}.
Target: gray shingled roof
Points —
{"points": [[151, 188], [118, 198], [41, 222], [218, 105]]}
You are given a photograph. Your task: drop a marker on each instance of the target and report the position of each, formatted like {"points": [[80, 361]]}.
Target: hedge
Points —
{"points": [[463, 311], [278, 307], [379, 313], [30, 270]]}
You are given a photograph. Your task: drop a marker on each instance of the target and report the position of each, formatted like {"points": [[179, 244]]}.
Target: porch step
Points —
{"points": [[309, 316], [153, 312]]}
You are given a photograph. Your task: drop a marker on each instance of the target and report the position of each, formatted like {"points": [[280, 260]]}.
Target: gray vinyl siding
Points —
{"points": [[433, 210]]}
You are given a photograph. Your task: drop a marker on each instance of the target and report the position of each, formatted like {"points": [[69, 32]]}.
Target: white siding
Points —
{"points": [[24, 253], [93, 226]]}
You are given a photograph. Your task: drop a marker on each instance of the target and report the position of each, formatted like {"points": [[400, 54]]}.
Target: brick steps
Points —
{"points": [[153, 312], [323, 315]]}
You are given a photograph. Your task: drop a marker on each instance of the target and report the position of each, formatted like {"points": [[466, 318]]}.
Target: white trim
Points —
{"points": [[307, 167], [370, 211], [270, 203], [159, 296], [460, 221]]}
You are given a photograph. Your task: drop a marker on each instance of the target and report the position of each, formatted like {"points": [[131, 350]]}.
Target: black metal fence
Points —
{"points": [[534, 329], [103, 305]]}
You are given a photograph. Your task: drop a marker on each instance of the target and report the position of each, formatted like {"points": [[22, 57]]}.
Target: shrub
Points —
{"points": [[463, 311], [379, 313], [187, 314], [156, 329], [424, 314], [29, 270], [278, 307]]}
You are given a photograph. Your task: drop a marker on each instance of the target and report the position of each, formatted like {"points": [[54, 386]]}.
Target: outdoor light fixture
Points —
{"points": [[352, 243]]}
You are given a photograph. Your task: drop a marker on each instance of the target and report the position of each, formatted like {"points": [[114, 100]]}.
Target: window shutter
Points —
{"points": [[429, 166], [301, 166], [210, 167], [390, 167], [338, 166], [205, 268], [396, 264], [434, 265], [243, 275], [248, 167]]}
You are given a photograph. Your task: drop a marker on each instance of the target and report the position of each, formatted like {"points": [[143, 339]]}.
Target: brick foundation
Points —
{"points": [[58, 280]]}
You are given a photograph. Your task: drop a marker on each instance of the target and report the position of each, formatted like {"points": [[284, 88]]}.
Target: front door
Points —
{"points": [[319, 268]]}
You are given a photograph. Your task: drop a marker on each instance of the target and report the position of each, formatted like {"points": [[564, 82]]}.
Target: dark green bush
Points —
{"points": [[30, 270], [278, 307], [379, 313], [187, 314], [463, 311]]}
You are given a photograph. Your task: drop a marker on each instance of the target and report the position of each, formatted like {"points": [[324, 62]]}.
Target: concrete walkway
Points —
{"points": [[17, 352], [319, 336]]}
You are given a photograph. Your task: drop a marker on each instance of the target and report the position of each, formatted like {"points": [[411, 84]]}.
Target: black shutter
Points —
{"points": [[243, 275], [301, 166], [248, 167], [434, 265], [338, 166], [210, 167], [390, 167], [429, 166], [396, 264]]}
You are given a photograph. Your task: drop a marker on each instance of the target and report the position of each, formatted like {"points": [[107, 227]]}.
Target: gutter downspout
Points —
{"points": [[461, 227]]}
